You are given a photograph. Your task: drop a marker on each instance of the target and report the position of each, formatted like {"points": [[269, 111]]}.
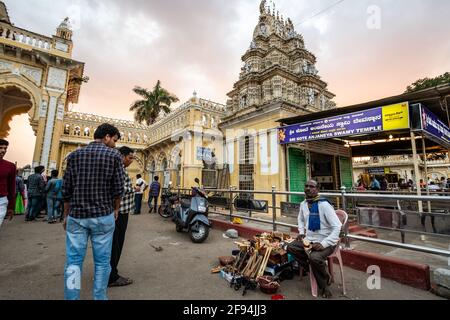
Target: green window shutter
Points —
{"points": [[346, 172], [297, 173]]}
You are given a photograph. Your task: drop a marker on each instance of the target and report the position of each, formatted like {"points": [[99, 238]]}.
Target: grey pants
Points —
{"points": [[317, 260]]}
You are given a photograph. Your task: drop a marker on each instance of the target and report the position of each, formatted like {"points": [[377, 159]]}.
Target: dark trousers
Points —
{"points": [[137, 203], [317, 260], [117, 245], [155, 203], [35, 204]]}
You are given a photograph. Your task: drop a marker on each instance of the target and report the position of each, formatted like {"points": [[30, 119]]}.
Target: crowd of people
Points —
{"points": [[93, 200], [96, 196], [380, 183]]}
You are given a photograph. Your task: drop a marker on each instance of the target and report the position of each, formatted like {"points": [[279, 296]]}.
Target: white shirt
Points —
{"points": [[142, 184], [330, 225]]}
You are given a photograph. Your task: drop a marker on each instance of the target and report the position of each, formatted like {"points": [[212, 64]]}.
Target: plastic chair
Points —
{"points": [[343, 217]]}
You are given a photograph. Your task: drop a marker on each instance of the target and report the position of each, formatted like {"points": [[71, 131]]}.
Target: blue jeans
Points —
{"points": [[58, 208], [35, 204], [51, 214], [101, 231]]}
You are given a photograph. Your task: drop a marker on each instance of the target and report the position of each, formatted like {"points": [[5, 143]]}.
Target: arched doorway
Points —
{"points": [[166, 173], [13, 101], [176, 166], [151, 170], [16, 111]]}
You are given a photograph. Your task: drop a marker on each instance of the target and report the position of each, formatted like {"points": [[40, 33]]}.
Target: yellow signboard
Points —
{"points": [[396, 116]]}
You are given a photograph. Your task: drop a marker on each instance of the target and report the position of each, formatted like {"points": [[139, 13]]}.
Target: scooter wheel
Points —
{"points": [[201, 234], [179, 228], [164, 211]]}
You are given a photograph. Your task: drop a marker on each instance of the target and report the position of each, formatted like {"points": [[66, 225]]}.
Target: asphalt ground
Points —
{"points": [[32, 257]]}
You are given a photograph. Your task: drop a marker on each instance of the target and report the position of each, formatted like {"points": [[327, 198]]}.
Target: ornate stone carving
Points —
{"points": [[52, 165], [62, 46], [5, 65], [57, 78], [60, 113], [48, 133], [34, 74], [43, 109], [281, 67]]}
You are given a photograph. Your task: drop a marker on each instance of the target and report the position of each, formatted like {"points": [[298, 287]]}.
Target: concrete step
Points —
{"points": [[355, 228], [369, 233]]}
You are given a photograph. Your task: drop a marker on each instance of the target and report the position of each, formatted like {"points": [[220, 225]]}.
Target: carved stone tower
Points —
{"points": [[63, 38], [278, 68], [278, 80]]}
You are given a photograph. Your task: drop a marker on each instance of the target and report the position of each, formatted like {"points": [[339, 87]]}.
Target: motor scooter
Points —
{"points": [[169, 201], [191, 215]]}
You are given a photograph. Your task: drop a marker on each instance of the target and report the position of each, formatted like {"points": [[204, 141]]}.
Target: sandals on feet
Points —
{"points": [[326, 293], [121, 282]]}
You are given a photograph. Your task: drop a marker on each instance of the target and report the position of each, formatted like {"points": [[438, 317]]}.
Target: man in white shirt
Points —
{"points": [[319, 226], [140, 187]]}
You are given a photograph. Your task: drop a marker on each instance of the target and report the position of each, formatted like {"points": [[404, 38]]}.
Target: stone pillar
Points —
{"points": [[48, 134], [57, 133], [42, 114]]}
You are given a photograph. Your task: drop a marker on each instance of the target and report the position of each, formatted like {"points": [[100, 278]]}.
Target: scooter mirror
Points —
{"points": [[196, 180]]}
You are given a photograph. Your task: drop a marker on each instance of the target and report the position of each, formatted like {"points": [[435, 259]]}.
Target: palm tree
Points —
{"points": [[155, 101]]}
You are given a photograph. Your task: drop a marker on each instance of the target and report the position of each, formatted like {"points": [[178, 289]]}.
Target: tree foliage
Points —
{"points": [[429, 83], [153, 103]]}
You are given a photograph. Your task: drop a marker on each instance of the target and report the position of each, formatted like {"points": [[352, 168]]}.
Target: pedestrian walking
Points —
{"points": [[20, 195], [53, 190], [140, 188], [36, 189], [7, 184], [155, 189]]}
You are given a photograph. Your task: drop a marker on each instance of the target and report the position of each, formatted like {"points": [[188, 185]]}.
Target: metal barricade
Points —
{"points": [[387, 211]]}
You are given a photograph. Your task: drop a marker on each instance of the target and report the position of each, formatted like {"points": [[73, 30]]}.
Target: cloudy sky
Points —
{"points": [[366, 49]]}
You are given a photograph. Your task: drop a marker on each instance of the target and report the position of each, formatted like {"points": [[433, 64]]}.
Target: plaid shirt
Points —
{"points": [[127, 203], [93, 179], [36, 185]]}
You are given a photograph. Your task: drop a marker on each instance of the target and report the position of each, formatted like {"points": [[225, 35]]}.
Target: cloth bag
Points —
{"points": [[20, 207]]}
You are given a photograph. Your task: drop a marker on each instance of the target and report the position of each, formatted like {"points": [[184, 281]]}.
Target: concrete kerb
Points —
{"points": [[403, 271]]}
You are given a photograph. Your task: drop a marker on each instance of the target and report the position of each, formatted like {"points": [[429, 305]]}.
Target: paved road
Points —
{"points": [[32, 257]]}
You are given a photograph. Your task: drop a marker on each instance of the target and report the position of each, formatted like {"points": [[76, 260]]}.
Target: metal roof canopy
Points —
{"points": [[435, 99]]}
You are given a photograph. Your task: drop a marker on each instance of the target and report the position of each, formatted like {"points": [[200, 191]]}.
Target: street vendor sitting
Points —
{"points": [[319, 228]]}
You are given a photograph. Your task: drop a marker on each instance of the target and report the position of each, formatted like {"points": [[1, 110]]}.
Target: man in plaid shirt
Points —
{"points": [[92, 190], [126, 208]]}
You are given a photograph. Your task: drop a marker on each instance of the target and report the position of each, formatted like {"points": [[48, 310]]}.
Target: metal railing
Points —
{"points": [[348, 202]]}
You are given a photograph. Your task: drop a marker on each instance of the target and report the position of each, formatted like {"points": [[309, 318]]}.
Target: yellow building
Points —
{"points": [[233, 145], [38, 76], [278, 80]]}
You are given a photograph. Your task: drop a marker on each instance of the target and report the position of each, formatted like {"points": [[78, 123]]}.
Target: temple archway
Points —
{"points": [[16, 99]]}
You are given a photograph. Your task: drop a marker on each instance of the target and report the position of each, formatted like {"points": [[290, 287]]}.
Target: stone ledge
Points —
{"points": [[441, 277]]}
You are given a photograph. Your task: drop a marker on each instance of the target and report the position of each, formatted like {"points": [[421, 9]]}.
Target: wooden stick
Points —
{"points": [[254, 272], [249, 263], [265, 261]]}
